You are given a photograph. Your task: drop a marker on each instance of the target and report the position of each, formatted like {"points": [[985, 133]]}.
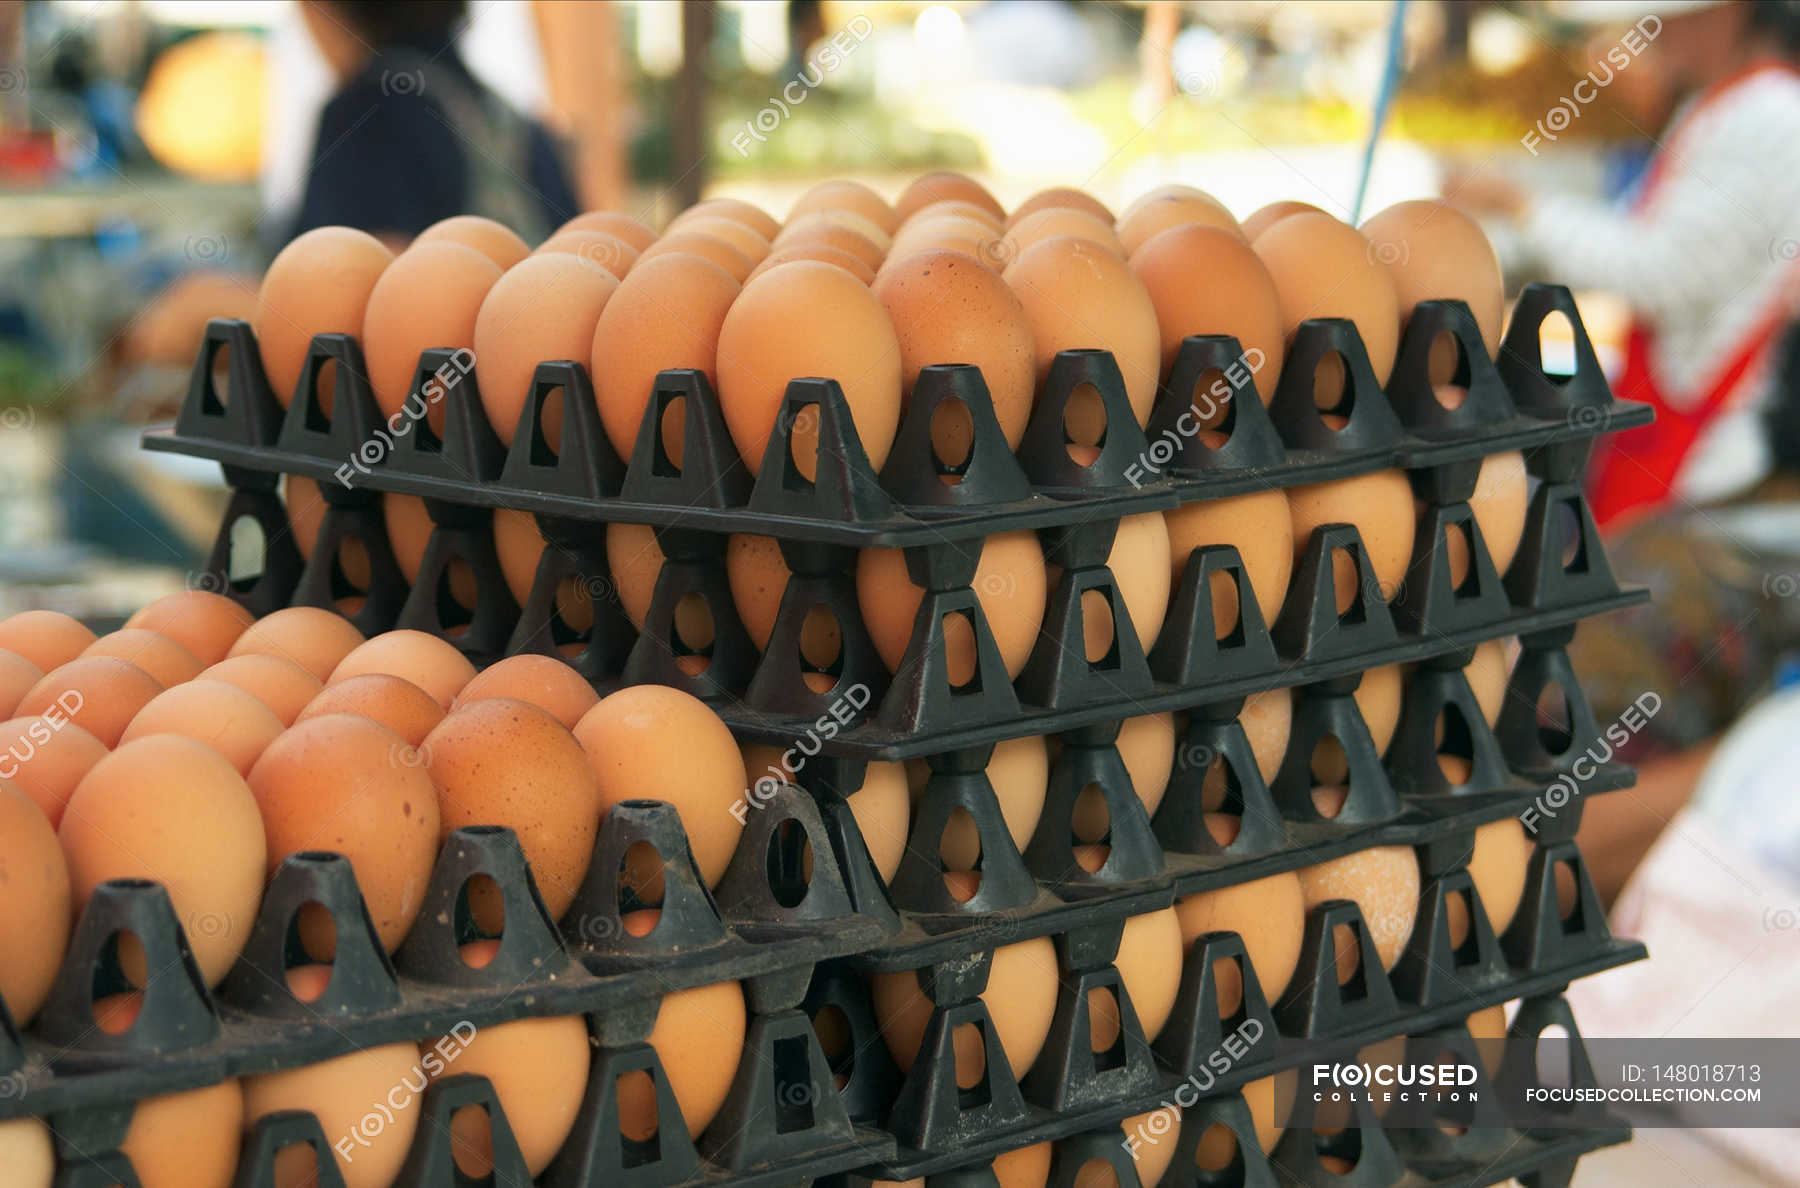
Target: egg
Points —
{"points": [[1265, 217], [188, 1139], [27, 1152], [1239, 299], [699, 1040], [882, 806], [758, 576], [814, 249], [1379, 505], [409, 527], [1079, 296], [1378, 697], [945, 186], [306, 515], [596, 247], [808, 319], [1384, 883], [538, 1068], [1499, 867], [1146, 745], [1060, 198], [1019, 772], [747, 213], [1268, 915], [847, 195], [1324, 269], [650, 741], [173, 810], [1487, 1027], [1136, 561], [17, 676], [496, 241], [1023, 1167], [667, 314], [318, 284], [1145, 220], [428, 298], [158, 655], [347, 784], [101, 694], [499, 761], [317, 640], [427, 661], [947, 308], [340, 1093], [1434, 251], [952, 208], [276, 681], [1259, 525], [1048, 224], [1266, 719], [48, 639], [1487, 673], [224, 717], [36, 904], [542, 310], [519, 546], [1156, 1146], [611, 222], [1020, 997], [542, 681], [205, 624], [45, 757], [751, 245], [1010, 583], [393, 701], [1149, 964], [838, 229], [950, 232], [1500, 501], [721, 254]]}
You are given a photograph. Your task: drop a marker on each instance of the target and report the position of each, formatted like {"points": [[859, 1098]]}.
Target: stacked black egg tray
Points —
{"points": [[1559, 577]]}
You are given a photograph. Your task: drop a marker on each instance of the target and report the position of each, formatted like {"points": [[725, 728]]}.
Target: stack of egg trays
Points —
{"points": [[1463, 1145], [466, 473], [782, 904]]}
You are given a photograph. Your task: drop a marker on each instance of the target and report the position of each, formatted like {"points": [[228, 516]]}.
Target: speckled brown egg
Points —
{"points": [[428, 298], [496, 241], [100, 694], [224, 717], [158, 655], [318, 284], [1238, 299], [393, 701], [543, 681], [542, 310], [314, 639], [432, 664], [276, 681], [1325, 269], [204, 623], [36, 904], [49, 639], [947, 308], [1384, 883]]}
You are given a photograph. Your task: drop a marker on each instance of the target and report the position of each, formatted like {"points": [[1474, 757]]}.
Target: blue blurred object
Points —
{"points": [[1384, 99]]}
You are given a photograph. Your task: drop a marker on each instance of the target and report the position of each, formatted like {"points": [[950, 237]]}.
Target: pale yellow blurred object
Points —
{"points": [[201, 112]]}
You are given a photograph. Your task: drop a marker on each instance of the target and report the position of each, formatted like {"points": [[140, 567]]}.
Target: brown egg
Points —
{"points": [[1380, 507], [596, 247], [947, 308], [814, 249], [1487, 1027], [882, 806], [1165, 193], [1149, 963], [519, 545], [1487, 673], [279, 683], [1266, 719], [758, 577], [945, 186], [17, 676], [752, 246], [409, 527], [611, 222], [951, 208], [539, 1070], [1019, 771], [205, 624], [36, 904], [747, 213], [1020, 997], [1146, 745], [428, 298], [1259, 526], [317, 640], [1238, 300], [1269, 916], [349, 785], [1060, 198], [1378, 697], [101, 694], [306, 515], [635, 561], [951, 231], [708, 247], [1145, 222], [846, 232], [432, 664], [699, 1039], [1324, 269], [542, 310], [28, 1152], [1500, 501], [158, 655], [1048, 224], [1384, 883], [1136, 561], [187, 1140], [393, 701], [45, 757], [1023, 1167], [318, 284], [847, 195], [543, 681], [1267, 216], [808, 319], [667, 314], [49, 639], [1499, 866], [648, 741], [173, 810], [1155, 1148], [1080, 296], [499, 761], [224, 717], [341, 1093], [1434, 251], [496, 241], [1010, 583]]}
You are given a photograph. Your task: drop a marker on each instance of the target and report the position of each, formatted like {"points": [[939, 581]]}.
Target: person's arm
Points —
{"points": [[1618, 828]]}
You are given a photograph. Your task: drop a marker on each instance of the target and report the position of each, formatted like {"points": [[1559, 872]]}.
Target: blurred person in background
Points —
{"points": [[411, 136]]}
